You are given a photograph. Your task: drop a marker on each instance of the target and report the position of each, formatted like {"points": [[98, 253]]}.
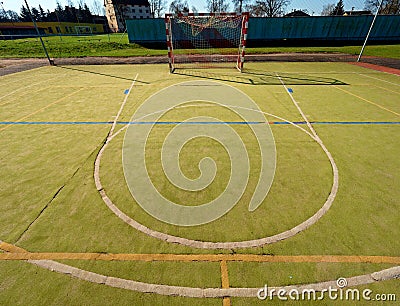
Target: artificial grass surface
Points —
{"points": [[38, 160], [269, 219], [207, 274], [255, 275], [26, 284], [118, 45]]}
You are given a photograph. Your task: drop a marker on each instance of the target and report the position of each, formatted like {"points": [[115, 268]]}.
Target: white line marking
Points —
{"points": [[218, 245], [368, 76], [386, 89], [298, 108], [14, 81], [335, 185], [20, 97], [25, 87], [122, 107]]}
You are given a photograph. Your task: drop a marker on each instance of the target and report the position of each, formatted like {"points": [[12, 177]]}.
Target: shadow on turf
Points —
{"points": [[103, 74], [259, 77]]}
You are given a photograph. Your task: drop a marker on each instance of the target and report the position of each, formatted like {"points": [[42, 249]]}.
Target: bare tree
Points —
{"points": [[158, 7], [217, 6], [240, 5], [392, 8], [328, 9], [96, 7], [179, 6], [269, 8], [389, 7]]}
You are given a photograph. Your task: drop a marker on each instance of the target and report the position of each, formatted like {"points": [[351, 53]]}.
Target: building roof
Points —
{"points": [[358, 13], [297, 13], [132, 2], [13, 27]]}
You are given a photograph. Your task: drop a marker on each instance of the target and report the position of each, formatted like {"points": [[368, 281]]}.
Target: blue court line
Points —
{"points": [[342, 122], [191, 122], [53, 122], [194, 122], [357, 122]]}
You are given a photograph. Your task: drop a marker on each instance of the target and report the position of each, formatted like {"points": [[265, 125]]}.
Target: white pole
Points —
{"points": [[369, 32]]}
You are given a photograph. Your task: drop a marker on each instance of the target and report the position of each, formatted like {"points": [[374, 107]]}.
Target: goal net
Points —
{"points": [[200, 40]]}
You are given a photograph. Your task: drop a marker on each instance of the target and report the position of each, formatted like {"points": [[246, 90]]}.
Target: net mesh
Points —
{"points": [[205, 41]]}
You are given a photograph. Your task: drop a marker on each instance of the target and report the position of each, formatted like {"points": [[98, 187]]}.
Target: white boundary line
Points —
{"points": [[371, 77], [298, 108], [335, 185], [210, 292], [17, 80], [219, 245], [200, 292], [196, 292], [25, 87], [121, 108], [385, 89]]}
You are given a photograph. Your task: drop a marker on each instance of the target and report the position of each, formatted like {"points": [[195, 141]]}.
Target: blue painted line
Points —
{"points": [[357, 122], [190, 122], [121, 122], [53, 122], [340, 122], [195, 122], [286, 123]]}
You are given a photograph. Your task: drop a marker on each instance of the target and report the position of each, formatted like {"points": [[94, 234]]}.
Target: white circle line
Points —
{"points": [[221, 245]]}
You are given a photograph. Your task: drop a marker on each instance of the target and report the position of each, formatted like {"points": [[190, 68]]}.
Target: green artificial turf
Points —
{"points": [[26, 284], [118, 45], [49, 202]]}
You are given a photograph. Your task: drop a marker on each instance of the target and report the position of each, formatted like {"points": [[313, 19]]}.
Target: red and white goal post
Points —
{"points": [[206, 40]]}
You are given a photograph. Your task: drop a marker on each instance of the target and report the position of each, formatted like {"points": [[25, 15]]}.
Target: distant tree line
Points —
{"points": [[69, 13], [388, 7], [276, 8], [257, 8]]}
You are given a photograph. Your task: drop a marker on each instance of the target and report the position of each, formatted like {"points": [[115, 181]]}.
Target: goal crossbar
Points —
{"points": [[206, 40]]}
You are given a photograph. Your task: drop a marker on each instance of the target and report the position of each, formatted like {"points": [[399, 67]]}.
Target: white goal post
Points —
{"points": [[206, 40]]}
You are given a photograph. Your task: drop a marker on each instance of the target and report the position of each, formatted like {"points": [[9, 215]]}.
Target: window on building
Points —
{"points": [[50, 29], [58, 29], [140, 10], [66, 29], [141, 17]]}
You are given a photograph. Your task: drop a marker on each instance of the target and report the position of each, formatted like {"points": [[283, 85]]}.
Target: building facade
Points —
{"points": [[50, 28], [117, 11]]}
